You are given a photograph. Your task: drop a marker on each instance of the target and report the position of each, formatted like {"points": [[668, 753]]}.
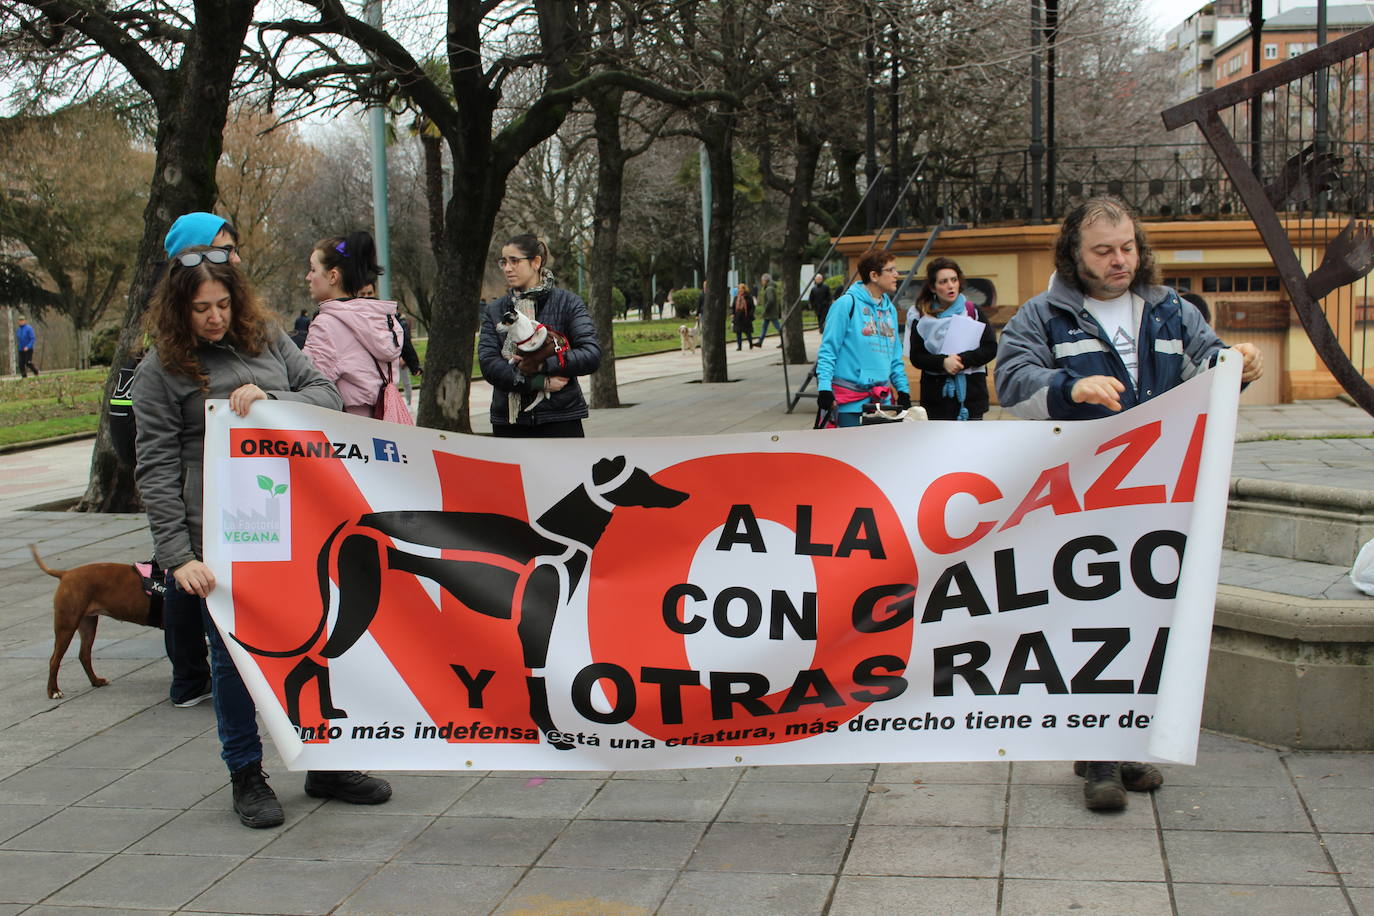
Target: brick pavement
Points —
{"points": [[113, 801]]}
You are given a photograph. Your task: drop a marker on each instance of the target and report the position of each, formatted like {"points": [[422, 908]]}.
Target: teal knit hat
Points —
{"points": [[192, 229]]}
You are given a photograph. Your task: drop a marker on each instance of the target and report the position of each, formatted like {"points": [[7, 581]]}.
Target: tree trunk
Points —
{"points": [[847, 170], [610, 179], [795, 237], [469, 223], [189, 138], [432, 147], [482, 163], [716, 298]]}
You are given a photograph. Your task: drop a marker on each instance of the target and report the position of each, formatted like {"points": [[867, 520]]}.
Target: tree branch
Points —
{"points": [[98, 27]]}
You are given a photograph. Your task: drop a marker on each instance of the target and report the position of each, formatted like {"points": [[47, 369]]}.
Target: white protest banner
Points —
{"points": [[401, 598]]}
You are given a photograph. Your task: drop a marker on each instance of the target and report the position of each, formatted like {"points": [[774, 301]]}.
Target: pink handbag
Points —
{"points": [[390, 406]]}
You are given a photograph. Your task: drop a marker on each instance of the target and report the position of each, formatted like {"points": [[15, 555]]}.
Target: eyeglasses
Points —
{"points": [[891, 270], [502, 262], [193, 258]]}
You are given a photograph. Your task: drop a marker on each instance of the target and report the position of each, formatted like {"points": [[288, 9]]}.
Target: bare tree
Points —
{"points": [[263, 175], [70, 202], [182, 57], [485, 44]]}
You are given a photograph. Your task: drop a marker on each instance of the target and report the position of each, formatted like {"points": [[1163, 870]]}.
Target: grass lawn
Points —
{"points": [[54, 404], [636, 338], [63, 402]]}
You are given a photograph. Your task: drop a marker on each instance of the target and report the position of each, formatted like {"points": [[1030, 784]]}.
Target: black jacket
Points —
{"points": [[933, 375], [561, 311]]}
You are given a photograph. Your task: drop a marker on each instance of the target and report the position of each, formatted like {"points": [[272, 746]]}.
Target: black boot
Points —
{"points": [[254, 801], [1136, 777], [347, 786], [1102, 786]]}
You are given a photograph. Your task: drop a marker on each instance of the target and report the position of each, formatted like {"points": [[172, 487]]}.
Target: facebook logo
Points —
{"points": [[385, 450]]}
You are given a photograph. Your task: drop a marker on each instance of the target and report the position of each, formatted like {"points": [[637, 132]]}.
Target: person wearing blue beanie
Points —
{"points": [[183, 634], [202, 229]]}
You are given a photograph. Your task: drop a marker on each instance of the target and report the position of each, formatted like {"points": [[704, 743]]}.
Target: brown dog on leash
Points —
{"points": [[86, 592]]}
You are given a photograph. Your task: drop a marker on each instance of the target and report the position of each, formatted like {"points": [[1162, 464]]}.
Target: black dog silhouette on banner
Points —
{"points": [[552, 554]]}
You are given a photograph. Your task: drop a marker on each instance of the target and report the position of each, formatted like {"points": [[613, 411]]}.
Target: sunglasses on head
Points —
{"points": [[193, 258]]}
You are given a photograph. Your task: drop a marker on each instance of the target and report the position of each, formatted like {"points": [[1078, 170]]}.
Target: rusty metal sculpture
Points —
{"points": [[1300, 181]]}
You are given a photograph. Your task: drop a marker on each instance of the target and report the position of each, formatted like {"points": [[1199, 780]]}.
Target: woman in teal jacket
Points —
{"points": [[860, 359]]}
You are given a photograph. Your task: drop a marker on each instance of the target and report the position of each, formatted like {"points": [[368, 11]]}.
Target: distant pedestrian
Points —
{"points": [[1200, 304], [301, 329], [772, 309], [410, 360], [25, 338], [742, 316], [820, 298]]}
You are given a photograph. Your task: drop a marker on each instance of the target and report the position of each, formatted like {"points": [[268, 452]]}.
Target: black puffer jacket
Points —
{"points": [[561, 311]]}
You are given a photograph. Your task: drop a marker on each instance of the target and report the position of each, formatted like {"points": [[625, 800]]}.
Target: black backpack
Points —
{"points": [[123, 427]]}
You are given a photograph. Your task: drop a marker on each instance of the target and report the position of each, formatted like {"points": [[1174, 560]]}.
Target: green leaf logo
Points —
{"points": [[280, 489], [264, 482]]}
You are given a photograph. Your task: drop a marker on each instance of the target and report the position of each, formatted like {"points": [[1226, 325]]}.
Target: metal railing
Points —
{"points": [[1164, 181]]}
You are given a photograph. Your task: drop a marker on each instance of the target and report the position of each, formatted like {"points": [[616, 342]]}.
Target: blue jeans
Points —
{"points": [[235, 713], [764, 332]]}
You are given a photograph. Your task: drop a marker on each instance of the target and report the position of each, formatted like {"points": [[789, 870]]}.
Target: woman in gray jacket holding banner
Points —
{"points": [[212, 339]]}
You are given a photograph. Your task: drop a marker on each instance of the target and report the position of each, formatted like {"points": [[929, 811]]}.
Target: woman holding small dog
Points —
{"points": [[355, 341], [212, 339], [535, 342]]}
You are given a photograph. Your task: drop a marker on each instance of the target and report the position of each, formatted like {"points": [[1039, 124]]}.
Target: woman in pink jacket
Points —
{"points": [[354, 341]]}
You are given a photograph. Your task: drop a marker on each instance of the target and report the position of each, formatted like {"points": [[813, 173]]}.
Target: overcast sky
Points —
{"points": [[1169, 13]]}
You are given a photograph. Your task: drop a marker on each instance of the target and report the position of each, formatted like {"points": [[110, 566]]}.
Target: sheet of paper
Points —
{"points": [[964, 334]]}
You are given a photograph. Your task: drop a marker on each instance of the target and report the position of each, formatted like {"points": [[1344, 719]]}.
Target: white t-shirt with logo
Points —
{"points": [[1117, 317]]}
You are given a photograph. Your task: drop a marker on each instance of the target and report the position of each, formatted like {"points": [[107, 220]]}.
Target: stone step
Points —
{"points": [[1299, 520], [1292, 657]]}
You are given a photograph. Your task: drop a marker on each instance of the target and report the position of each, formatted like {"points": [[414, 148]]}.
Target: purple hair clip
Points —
{"points": [[340, 249]]}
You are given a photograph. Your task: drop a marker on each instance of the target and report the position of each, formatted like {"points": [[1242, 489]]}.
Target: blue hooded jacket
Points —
{"points": [[860, 346]]}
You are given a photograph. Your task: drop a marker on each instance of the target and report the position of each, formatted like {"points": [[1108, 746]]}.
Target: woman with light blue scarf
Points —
{"points": [[954, 386]]}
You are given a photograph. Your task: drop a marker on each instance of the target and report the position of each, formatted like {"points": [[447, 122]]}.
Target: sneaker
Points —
{"points": [[254, 801], [195, 699], [1102, 786], [347, 786], [1136, 777]]}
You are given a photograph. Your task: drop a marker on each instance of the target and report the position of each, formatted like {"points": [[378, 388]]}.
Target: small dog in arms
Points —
{"points": [[534, 344]]}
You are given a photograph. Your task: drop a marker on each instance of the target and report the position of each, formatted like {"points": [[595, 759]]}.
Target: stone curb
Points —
{"points": [[43, 443], [1304, 494], [1291, 617]]}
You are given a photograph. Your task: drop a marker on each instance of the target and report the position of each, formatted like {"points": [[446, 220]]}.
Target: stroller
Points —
{"points": [[873, 412]]}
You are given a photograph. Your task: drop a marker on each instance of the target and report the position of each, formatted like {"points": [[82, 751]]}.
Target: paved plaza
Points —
{"points": [[112, 801]]}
